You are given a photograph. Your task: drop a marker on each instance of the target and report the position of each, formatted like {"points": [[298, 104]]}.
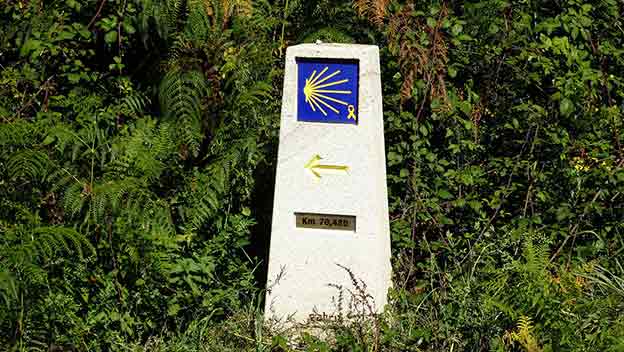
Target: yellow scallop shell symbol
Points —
{"points": [[315, 91]]}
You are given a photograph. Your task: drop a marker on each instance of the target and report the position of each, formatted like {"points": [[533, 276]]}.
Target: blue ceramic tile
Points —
{"points": [[327, 91]]}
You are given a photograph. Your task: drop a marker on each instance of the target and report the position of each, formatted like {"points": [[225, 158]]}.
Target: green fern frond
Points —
{"points": [[59, 178], [143, 154], [525, 324], [257, 94], [499, 282], [134, 104], [129, 198], [25, 250], [207, 189], [535, 256], [42, 243], [29, 164], [261, 17], [198, 23], [100, 202], [180, 45], [75, 198], [181, 93], [163, 14], [8, 287], [524, 335], [204, 203], [175, 8], [127, 192]]}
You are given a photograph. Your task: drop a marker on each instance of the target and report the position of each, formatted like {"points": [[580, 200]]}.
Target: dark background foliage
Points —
{"points": [[138, 143]]}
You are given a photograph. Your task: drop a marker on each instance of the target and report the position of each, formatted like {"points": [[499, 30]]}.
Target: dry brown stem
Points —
{"points": [[426, 59]]}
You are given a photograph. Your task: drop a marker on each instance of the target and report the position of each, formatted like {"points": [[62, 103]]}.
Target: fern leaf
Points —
{"points": [[134, 104], [29, 164], [525, 324], [74, 198], [8, 287], [180, 94], [60, 237]]}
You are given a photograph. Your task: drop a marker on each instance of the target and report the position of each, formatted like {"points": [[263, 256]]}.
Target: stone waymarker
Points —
{"points": [[330, 207]]}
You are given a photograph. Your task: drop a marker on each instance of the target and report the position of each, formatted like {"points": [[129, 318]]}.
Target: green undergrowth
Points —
{"points": [[528, 304], [138, 143]]}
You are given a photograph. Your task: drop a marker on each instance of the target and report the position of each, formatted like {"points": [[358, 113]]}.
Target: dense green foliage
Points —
{"points": [[138, 143]]}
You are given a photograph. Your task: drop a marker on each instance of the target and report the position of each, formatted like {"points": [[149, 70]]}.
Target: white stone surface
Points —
{"points": [[308, 258]]}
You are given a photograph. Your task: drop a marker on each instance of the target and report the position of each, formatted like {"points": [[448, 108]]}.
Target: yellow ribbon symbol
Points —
{"points": [[351, 112]]}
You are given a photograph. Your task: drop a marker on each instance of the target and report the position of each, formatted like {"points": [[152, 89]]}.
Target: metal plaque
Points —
{"points": [[325, 221]]}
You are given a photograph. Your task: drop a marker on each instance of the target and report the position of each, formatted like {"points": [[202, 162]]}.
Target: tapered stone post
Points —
{"points": [[330, 214]]}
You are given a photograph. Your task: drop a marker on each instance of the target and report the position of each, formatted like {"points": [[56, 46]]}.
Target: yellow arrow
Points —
{"points": [[314, 166]]}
